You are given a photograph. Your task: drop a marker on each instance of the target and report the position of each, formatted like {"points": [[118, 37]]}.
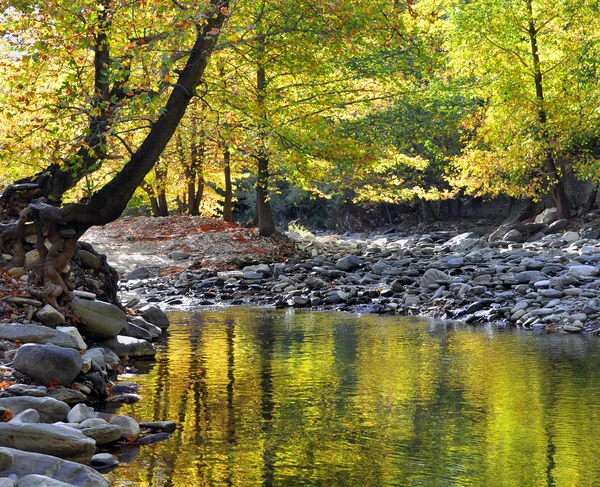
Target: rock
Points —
{"points": [[35, 480], [137, 332], [130, 427], [155, 316], [526, 277], [570, 237], [140, 273], [97, 356], [462, 242], [168, 426], [44, 363], [103, 461], [50, 409], [35, 334], [88, 259], [513, 236], [153, 438], [88, 423], [547, 216], [74, 334], [31, 258], [6, 459], [27, 463], [80, 413], [583, 271], [154, 330], [431, 276], [348, 263], [27, 390], [60, 441], [103, 434], [83, 294], [99, 319], [572, 328], [27, 416], [68, 396], [129, 347], [557, 226], [49, 316], [179, 255], [7, 481]]}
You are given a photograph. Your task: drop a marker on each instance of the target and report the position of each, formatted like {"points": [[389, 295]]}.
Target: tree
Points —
{"points": [[120, 58]]}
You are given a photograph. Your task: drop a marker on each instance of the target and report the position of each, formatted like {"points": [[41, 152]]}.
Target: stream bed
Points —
{"points": [[281, 398]]}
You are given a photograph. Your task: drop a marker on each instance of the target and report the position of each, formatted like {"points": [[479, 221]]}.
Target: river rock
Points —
{"points": [[103, 433], [130, 427], [140, 273], [513, 236], [80, 413], [27, 416], [99, 319], [526, 277], [348, 263], [73, 332], [583, 271], [27, 390], [125, 346], [6, 459], [103, 461], [558, 225], [547, 216], [431, 276], [44, 363], [35, 334], [35, 480], [154, 330], [155, 316], [60, 441], [168, 426], [27, 463], [68, 396], [49, 316], [50, 409], [137, 332], [88, 259], [462, 242]]}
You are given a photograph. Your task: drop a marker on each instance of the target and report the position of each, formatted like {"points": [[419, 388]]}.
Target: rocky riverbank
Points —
{"points": [[538, 275]]}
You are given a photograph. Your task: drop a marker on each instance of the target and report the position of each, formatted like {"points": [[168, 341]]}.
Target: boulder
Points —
{"points": [[137, 332], [431, 276], [80, 413], [6, 459], [69, 396], [103, 461], [104, 433], [27, 416], [583, 271], [513, 236], [60, 441], [130, 427], [548, 216], [140, 273], [463, 242], [50, 409], [129, 347], [44, 363], [27, 463], [35, 334], [88, 259], [154, 330], [73, 332], [348, 263], [49, 316], [35, 480], [558, 225], [156, 316], [99, 319]]}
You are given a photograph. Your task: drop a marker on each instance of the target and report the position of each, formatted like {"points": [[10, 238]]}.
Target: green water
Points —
{"points": [[269, 398]]}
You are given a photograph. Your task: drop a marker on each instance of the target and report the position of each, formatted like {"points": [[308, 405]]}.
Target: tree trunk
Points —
{"points": [[591, 199], [153, 201], [227, 204], [557, 189], [163, 207], [266, 224], [427, 212]]}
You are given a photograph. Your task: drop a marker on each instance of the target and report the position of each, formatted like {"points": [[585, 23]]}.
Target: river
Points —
{"points": [[283, 398]]}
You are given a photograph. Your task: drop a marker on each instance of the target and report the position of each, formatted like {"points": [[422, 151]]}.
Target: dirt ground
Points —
{"points": [[133, 242]]}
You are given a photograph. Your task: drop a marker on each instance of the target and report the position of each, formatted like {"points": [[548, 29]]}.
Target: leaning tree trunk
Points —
{"points": [[59, 227]]}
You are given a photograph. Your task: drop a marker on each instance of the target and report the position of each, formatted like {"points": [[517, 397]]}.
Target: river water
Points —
{"points": [[277, 398]]}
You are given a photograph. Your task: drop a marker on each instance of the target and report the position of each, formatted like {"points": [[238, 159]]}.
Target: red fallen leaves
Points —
{"points": [[53, 384]]}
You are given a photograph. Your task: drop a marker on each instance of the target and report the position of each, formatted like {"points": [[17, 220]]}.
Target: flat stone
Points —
{"points": [[583, 271], [18, 301], [99, 319], [60, 441], [529, 276], [50, 409], [44, 363], [35, 334], [49, 316], [572, 328], [27, 390], [84, 294], [129, 347], [27, 463], [69, 396]]}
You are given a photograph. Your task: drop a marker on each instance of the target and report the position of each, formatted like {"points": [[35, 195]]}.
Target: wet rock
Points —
{"points": [[35, 480], [153, 438], [130, 426], [49, 316], [99, 319], [125, 346], [137, 332], [103, 434], [168, 426], [50, 409], [80, 413], [59, 441], [35, 334], [44, 363], [27, 463], [155, 316], [103, 461], [88, 259]]}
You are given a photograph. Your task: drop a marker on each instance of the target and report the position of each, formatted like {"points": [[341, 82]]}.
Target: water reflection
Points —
{"points": [[269, 398]]}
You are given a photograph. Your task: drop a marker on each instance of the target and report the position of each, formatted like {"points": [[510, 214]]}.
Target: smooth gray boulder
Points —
{"points": [[27, 463], [156, 316], [129, 347], [431, 276], [104, 433], [35, 334], [44, 363], [50, 316], [6, 459], [130, 427], [70, 396], [99, 319], [50, 409], [154, 330], [80, 413], [548, 216], [348, 263], [73, 332], [60, 441], [27, 416], [103, 461], [35, 480], [137, 332], [7, 482]]}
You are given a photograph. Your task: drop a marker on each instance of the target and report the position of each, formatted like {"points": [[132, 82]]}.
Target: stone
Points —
{"points": [[431, 276], [80, 413], [49, 439], [462, 242], [154, 330], [513, 236], [130, 427], [69, 396], [27, 390], [73, 332], [97, 356], [348, 263], [31, 258], [177, 255], [27, 416], [526, 277], [27, 463], [125, 346], [7, 481], [558, 225], [49, 316], [35, 334], [547, 216], [570, 237], [155, 316], [50, 409], [35, 480], [168, 426], [88, 423], [103, 461], [6, 459], [83, 294], [88, 259], [103, 433], [99, 319], [140, 273], [137, 332], [24, 302], [583, 271], [572, 328], [44, 363]]}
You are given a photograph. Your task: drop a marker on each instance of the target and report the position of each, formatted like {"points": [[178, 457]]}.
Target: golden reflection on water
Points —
{"points": [[269, 398]]}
